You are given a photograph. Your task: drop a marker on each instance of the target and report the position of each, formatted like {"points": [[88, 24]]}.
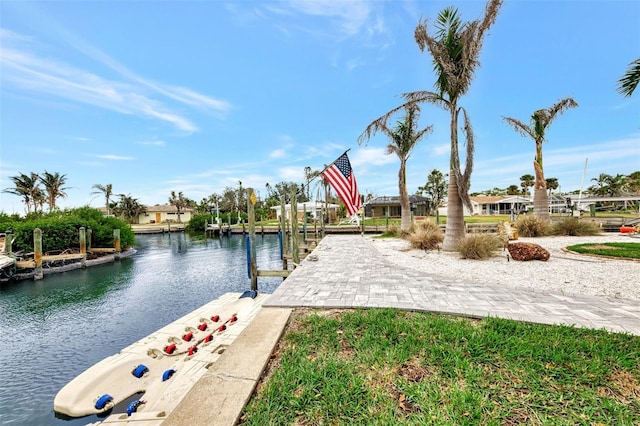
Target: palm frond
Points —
{"points": [[628, 83], [519, 127], [379, 125]]}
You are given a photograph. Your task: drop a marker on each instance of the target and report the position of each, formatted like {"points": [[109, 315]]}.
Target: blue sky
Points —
{"points": [[194, 96]]}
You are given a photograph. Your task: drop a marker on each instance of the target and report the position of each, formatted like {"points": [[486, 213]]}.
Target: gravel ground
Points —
{"points": [[564, 272]]}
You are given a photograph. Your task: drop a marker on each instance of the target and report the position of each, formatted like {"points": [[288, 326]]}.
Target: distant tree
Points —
{"points": [[632, 183], [310, 175], [54, 187], [27, 187], [526, 181], [513, 190], [107, 191], [552, 184], [227, 200], [540, 120], [128, 208], [404, 138], [179, 202], [600, 187], [435, 188], [615, 185], [628, 83], [282, 190]]}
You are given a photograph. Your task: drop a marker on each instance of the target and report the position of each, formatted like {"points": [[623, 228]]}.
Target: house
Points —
{"points": [[491, 204], [313, 210], [164, 213], [389, 206]]}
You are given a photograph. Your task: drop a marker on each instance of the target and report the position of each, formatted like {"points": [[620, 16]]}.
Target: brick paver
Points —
{"points": [[346, 271]]}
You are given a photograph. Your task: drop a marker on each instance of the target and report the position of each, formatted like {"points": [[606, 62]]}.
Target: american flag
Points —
{"points": [[343, 181]]}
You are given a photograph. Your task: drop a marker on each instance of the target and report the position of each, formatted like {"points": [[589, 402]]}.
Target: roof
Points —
{"points": [[495, 199], [395, 199], [158, 208], [309, 205], [165, 208]]}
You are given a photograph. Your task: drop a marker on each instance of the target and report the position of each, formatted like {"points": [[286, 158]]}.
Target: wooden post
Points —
{"points": [[37, 253], [285, 237], [304, 223], [89, 236], [83, 246], [8, 240], [116, 243], [295, 253], [251, 212]]}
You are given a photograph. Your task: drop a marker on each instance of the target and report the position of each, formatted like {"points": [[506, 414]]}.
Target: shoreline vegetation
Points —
{"points": [[528, 225]]}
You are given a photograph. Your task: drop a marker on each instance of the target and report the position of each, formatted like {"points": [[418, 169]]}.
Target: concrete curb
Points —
{"points": [[220, 395]]}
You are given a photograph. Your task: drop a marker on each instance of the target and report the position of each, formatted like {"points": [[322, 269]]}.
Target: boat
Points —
{"points": [[149, 378]]}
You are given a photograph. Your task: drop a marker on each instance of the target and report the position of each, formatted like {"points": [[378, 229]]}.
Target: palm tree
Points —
{"points": [[404, 138], [107, 190], [178, 201], [540, 120], [628, 83], [525, 182], [632, 183], [513, 190], [455, 49], [128, 208], [552, 184], [54, 187], [600, 187], [27, 187]]}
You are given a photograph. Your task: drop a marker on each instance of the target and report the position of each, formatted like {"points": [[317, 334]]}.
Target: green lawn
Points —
{"points": [[621, 250], [385, 366]]}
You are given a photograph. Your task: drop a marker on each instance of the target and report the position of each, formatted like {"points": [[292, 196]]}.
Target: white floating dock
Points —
{"points": [[180, 352]]}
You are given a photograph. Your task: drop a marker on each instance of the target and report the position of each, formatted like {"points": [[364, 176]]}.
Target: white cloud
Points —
{"points": [[26, 70], [278, 153], [442, 149], [114, 157], [372, 157], [152, 143], [292, 173]]}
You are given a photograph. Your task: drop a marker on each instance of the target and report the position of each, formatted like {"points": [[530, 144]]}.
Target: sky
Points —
{"points": [[197, 96]]}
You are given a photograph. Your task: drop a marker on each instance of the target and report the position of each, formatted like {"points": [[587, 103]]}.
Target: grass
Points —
{"points": [[386, 366], [621, 250]]}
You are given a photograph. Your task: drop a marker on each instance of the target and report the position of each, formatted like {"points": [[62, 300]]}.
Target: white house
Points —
{"points": [[313, 209], [164, 213], [490, 205]]}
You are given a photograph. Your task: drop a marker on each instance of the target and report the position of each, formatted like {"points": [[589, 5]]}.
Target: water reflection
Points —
{"points": [[56, 328]]}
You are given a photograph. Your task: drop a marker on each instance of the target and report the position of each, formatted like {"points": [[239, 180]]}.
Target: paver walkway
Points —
{"points": [[346, 271]]}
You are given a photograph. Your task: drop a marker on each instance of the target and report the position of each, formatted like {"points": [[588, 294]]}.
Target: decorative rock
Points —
{"points": [[527, 251]]}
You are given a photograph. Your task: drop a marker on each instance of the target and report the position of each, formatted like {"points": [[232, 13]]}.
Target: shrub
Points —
{"points": [[479, 246], [393, 231], [60, 231], [532, 226], [424, 235], [575, 227], [197, 223]]}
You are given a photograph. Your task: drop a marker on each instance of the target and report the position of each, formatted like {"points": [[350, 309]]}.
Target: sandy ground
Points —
{"points": [[564, 272]]}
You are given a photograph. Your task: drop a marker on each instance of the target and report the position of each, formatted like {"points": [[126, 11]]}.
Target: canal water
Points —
{"points": [[55, 328]]}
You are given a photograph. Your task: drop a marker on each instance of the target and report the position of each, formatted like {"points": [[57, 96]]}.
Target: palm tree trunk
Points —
{"points": [[454, 230], [405, 208], [541, 203]]}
